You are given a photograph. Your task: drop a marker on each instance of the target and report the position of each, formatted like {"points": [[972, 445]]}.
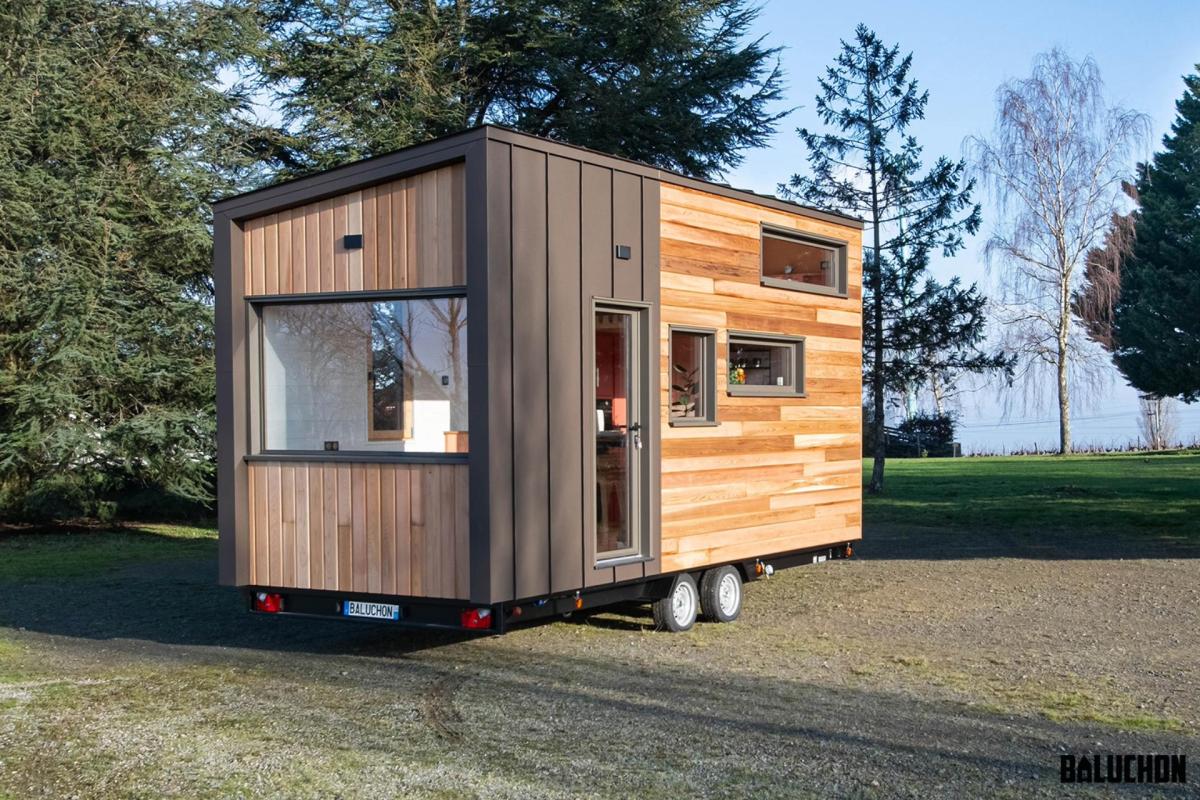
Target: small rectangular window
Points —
{"points": [[765, 364], [693, 370], [803, 263]]}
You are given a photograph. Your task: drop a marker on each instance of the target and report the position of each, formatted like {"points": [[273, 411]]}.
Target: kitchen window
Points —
{"points": [[766, 365]]}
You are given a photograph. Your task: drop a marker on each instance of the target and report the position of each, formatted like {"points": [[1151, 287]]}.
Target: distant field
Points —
{"points": [[1155, 496]]}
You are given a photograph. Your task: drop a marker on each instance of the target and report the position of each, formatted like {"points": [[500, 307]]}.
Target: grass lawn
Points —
{"points": [[1151, 496], [956, 656]]}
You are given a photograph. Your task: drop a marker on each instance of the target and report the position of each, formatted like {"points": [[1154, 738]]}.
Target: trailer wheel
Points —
{"points": [[677, 611], [721, 594]]}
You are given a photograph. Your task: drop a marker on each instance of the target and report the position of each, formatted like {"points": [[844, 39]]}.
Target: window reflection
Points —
{"points": [[386, 375]]}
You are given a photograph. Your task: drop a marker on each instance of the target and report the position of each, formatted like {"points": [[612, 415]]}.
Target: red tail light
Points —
{"points": [[477, 618], [268, 602]]}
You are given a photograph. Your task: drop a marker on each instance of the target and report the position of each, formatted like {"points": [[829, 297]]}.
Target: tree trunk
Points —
{"points": [[1064, 393], [877, 428]]}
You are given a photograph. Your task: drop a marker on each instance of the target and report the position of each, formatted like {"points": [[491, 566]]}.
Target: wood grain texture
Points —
{"points": [[350, 527], [413, 237], [778, 473]]}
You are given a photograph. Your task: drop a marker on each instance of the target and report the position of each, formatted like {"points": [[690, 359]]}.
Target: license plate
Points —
{"points": [[358, 608]]}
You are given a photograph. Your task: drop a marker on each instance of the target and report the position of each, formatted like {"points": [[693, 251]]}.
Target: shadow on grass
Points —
{"points": [[140, 584]]}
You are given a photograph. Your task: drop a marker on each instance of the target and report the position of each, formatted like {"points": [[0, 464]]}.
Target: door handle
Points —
{"points": [[636, 430]]}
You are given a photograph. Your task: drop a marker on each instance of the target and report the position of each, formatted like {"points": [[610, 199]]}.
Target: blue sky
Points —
{"points": [[961, 53]]}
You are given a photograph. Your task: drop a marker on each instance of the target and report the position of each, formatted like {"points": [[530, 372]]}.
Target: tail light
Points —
{"points": [[477, 619], [268, 602]]}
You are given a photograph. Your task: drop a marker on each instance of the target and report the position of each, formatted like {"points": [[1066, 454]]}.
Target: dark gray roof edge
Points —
{"points": [[375, 169]]}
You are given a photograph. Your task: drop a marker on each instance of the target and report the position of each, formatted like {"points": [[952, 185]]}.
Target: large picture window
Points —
{"points": [[801, 263], [385, 375]]}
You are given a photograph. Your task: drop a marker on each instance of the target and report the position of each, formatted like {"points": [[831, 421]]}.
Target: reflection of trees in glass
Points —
{"points": [[421, 340]]}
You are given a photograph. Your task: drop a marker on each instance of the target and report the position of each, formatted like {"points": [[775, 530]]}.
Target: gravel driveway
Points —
{"points": [[928, 666]]}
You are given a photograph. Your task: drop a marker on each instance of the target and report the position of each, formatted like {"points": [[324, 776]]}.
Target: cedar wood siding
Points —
{"points": [[379, 528], [777, 473]]}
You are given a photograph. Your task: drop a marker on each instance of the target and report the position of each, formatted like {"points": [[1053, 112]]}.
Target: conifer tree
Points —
{"points": [[669, 82], [111, 127], [1156, 318], [871, 166]]}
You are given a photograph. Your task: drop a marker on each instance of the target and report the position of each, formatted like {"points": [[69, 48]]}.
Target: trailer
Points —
{"points": [[654, 397]]}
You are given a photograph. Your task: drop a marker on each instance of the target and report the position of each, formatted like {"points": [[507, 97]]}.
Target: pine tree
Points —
{"points": [[110, 132], [1156, 318], [869, 165], [669, 82]]}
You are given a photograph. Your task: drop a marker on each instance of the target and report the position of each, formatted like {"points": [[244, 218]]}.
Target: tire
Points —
{"points": [[721, 594], [677, 611]]}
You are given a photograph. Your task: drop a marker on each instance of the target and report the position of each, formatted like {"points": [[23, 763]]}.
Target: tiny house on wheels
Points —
{"points": [[492, 378]]}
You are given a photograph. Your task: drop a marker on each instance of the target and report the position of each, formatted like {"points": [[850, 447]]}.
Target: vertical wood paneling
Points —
{"points": [[531, 467], [462, 532], [374, 521], [285, 252], [287, 522], [419, 585], [358, 517], [345, 528], [329, 531], [324, 255], [370, 232], [413, 231], [367, 512], [300, 479], [565, 368], [403, 556], [298, 268]]}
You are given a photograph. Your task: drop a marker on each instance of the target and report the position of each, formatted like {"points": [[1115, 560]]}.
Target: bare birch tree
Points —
{"points": [[1054, 164], [1157, 420]]}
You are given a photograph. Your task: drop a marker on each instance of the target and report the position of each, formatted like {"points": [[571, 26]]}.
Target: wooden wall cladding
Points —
{"points": [[776, 474], [413, 237], [394, 529]]}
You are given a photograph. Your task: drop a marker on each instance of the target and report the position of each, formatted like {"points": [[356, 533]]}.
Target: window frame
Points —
{"points": [[839, 248], [796, 343], [709, 387], [257, 450]]}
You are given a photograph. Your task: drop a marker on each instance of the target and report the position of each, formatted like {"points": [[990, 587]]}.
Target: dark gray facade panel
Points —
{"points": [[664, 176], [595, 281], [531, 380], [651, 283], [627, 230], [499, 395], [566, 375], [627, 285], [233, 548], [477, 373]]}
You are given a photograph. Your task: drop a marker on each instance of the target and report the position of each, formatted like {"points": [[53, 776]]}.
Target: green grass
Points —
{"points": [[1137, 494], [87, 553]]}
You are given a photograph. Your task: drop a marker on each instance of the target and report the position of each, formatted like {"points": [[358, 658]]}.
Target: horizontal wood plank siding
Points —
{"points": [[380, 528], [413, 237], [778, 473]]}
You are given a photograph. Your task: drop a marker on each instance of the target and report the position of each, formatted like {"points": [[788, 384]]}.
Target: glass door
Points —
{"points": [[620, 413]]}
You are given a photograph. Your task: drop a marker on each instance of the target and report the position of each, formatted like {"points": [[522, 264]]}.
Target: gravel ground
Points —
{"points": [[927, 666]]}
